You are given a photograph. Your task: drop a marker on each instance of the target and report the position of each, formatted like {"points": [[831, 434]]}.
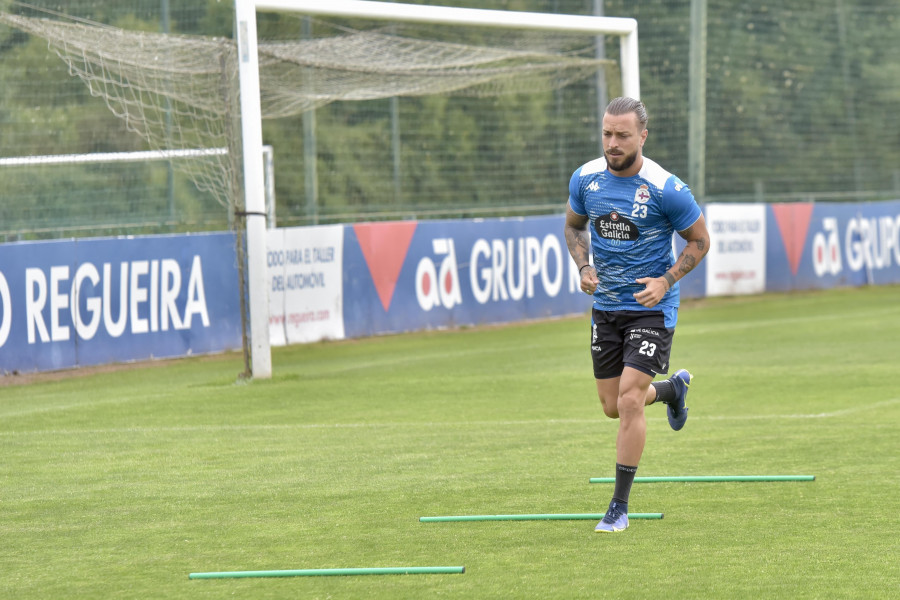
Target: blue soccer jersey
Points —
{"points": [[632, 220]]}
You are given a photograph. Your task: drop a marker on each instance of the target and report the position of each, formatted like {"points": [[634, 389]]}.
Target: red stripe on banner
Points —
{"points": [[384, 246], [793, 222]]}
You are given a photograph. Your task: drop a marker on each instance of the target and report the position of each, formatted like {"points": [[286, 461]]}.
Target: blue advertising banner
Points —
{"points": [[812, 246], [412, 275], [446, 273], [95, 301]]}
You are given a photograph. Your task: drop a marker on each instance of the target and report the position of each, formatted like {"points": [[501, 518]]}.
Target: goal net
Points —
{"points": [[180, 92]]}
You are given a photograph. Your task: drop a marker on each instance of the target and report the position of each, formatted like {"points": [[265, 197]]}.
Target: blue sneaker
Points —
{"points": [[676, 409], [616, 518]]}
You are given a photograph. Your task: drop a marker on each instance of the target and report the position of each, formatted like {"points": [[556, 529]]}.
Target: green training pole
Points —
{"points": [[541, 517], [314, 572], [708, 478]]}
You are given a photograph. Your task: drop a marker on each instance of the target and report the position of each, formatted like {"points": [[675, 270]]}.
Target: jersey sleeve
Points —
{"points": [[680, 206], [576, 202]]}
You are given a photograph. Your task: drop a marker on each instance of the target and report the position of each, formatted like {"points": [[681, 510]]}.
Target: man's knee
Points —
{"points": [[631, 403], [610, 408], [608, 392]]}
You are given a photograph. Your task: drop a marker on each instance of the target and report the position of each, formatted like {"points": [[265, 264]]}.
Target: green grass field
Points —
{"points": [[120, 484]]}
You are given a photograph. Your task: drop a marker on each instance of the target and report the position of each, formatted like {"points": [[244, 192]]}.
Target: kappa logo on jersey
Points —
{"points": [[435, 285], [594, 186], [642, 194], [616, 227]]}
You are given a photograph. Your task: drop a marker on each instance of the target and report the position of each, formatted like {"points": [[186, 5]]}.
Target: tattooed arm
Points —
{"points": [[697, 237], [578, 239]]}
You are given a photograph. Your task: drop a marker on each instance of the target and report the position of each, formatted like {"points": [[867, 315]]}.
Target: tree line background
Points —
{"points": [[802, 103]]}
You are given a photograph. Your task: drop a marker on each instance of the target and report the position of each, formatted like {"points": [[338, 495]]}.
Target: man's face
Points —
{"points": [[623, 139]]}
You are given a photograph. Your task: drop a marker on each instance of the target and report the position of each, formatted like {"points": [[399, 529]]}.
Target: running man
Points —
{"points": [[623, 209]]}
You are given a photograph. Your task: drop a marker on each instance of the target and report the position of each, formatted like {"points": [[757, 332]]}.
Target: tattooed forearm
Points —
{"points": [[688, 262], [578, 239], [697, 238]]}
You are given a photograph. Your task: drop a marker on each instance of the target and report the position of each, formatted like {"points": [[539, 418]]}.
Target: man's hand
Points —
{"points": [[589, 281], [653, 293]]}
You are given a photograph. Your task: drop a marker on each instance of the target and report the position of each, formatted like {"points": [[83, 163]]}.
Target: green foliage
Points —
{"points": [[121, 483], [801, 98]]}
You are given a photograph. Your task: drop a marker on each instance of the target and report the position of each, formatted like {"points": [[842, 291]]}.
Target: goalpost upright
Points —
{"points": [[251, 112]]}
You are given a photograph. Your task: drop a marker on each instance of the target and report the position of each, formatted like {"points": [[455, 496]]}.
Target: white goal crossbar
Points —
{"points": [[108, 157], [251, 113]]}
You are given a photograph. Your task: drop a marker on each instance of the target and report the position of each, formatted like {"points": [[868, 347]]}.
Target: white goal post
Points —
{"points": [[251, 112]]}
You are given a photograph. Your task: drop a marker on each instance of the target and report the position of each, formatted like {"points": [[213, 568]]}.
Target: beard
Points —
{"points": [[622, 162]]}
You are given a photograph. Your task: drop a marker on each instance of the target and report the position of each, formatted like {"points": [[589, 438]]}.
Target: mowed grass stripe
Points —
{"points": [[863, 408]]}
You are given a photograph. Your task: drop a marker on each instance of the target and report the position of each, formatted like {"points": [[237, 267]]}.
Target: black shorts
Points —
{"points": [[638, 339]]}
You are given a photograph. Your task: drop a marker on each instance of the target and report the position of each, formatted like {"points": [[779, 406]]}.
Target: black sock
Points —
{"points": [[665, 391], [624, 479]]}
